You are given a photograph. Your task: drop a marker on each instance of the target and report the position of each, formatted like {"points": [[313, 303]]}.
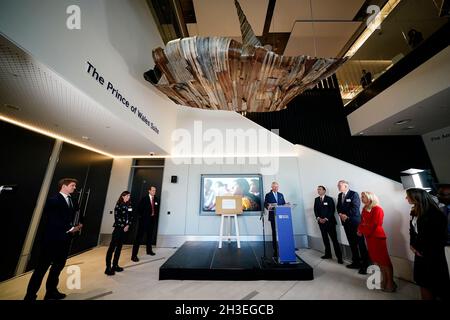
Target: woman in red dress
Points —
{"points": [[371, 227]]}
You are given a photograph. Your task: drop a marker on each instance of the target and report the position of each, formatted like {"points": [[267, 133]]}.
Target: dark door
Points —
{"points": [[92, 202], [143, 179], [92, 171], [23, 163]]}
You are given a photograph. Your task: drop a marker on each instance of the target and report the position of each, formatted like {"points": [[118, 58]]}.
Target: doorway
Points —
{"points": [[144, 174]]}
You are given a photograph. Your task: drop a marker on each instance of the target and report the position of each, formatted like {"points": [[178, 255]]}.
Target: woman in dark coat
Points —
{"points": [[428, 235], [123, 217]]}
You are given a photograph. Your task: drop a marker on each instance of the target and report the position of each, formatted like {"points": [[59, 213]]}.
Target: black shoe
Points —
{"points": [[354, 266], [340, 261], [55, 295], [117, 269], [109, 272], [325, 257], [363, 269], [135, 259], [30, 297], [151, 253]]}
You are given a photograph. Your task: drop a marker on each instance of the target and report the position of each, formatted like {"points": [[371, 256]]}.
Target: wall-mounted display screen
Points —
{"points": [[249, 186]]}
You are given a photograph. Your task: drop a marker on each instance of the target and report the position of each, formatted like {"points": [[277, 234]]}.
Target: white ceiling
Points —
{"points": [[321, 39], [286, 12], [332, 29], [219, 17], [47, 102]]}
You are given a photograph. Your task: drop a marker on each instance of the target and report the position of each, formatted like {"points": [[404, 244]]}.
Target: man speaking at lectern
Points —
{"points": [[274, 197]]}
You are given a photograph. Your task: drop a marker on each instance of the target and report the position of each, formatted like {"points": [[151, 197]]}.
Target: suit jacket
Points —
{"points": [[371, 225], [59, 218], [270, 198], [325, 209], [350, 207], [144, 209], [431, 237]]}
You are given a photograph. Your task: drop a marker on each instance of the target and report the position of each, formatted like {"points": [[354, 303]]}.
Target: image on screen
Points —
{"points": [[249, 186]]}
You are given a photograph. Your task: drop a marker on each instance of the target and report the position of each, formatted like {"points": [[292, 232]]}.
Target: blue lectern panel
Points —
{"points": [[285, 232]]}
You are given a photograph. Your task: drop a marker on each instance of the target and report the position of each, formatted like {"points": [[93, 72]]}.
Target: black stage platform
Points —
{"points": [[203, 260]]}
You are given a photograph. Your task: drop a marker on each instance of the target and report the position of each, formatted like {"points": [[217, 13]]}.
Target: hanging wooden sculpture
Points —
{"points": [[219, 73]]}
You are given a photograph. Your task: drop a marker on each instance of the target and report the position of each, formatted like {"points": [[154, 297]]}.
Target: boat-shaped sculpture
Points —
{"points": [[219, 73]]}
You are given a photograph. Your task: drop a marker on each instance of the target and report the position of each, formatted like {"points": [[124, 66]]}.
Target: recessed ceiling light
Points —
{"points": [[408, 128], [85, 137], [403, 121], [361, 133]]}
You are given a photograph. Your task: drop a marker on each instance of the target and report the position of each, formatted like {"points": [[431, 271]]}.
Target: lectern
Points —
{"points": [[285, 234]]}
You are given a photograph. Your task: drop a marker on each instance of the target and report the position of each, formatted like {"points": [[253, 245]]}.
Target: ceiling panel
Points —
{"points": [[219, 17], [192, 29], [288, 11], [426, 116], [321, 39]]}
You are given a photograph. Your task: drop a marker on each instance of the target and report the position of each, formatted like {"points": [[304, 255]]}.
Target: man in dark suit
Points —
{"points": [[348, 210], [148, 211], [324, 211], [61, 225], [274, 197]]}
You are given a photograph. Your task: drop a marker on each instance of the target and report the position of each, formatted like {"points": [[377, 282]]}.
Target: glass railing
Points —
{"points": [[402, 30]]}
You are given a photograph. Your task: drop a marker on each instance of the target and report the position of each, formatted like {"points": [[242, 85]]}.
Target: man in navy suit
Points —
{"points": [[271, 198], [348, 210], [148, 211], [324, 211], [61, 225]]}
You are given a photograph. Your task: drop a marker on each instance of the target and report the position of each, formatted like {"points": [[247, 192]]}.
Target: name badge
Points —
{"points": [[325, 203], [130, 209], [348, 200]]}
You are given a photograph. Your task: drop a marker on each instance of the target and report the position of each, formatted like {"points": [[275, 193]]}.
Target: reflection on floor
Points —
{"points": [[140, 281]]}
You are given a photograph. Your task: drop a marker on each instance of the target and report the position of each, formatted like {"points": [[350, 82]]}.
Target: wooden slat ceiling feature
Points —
{"points": [[218, 73], [321, 39], [288, 11]]}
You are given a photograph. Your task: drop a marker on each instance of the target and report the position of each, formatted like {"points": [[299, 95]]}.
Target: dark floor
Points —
{"points": [[203, 260]]}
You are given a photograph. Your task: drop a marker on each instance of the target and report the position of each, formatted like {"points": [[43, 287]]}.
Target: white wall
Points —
{"points": [[319, 169], [316, 168], [118, 182], [299, 173], [117, 36], [438, 147], [182, 199], [428, 79]]}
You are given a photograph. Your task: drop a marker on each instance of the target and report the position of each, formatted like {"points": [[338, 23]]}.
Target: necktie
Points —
{"points": [[276, 196], [343, 197], [447, 212], [152, 202], [69, 200]]}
